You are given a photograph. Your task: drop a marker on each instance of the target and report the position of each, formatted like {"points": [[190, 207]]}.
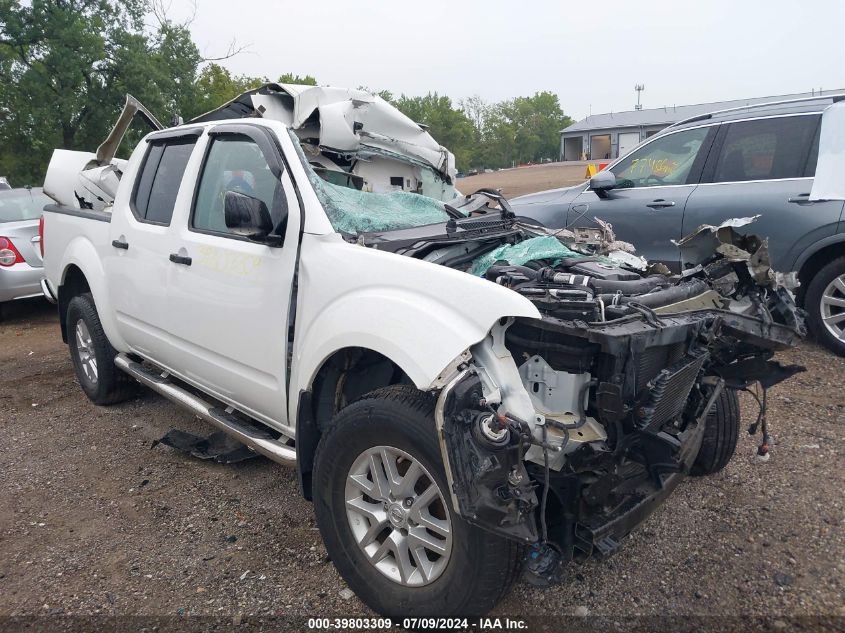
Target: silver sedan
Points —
{"points": [[20, 248]]}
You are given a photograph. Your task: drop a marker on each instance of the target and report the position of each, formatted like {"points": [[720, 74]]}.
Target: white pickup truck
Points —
{"points": [[464, 396]]}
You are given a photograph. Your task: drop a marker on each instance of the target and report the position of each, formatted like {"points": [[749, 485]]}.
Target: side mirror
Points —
{"points": [[603, 182], [248, 216]]}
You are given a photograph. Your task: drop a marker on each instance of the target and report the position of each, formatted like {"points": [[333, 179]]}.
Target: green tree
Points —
{"points": [[496, 148], [531, 126], [66, 66], [476, 110], [290, 78], [448, 125], [216, 86]]}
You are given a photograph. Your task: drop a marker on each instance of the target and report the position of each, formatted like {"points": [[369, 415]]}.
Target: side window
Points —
{"points": [[664, 161], [161, 175], [234, 163], [766, 149]]}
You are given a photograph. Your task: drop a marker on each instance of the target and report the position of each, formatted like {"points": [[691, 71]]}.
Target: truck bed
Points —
{"points": [[88, 214], [73, 235]]}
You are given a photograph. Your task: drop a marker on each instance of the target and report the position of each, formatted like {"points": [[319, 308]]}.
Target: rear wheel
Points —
{"points": [[93, 355], [387, 520], [721, 432], [825, 305]]}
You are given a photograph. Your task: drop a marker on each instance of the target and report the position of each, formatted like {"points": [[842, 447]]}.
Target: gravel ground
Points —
{"points": [[95, 521]]}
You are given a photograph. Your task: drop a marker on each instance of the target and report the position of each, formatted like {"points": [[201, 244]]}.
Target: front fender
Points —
{"points": [[419, 315]]}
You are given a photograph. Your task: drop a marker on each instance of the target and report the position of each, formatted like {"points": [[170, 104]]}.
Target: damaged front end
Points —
{"points": [[568, 431]]}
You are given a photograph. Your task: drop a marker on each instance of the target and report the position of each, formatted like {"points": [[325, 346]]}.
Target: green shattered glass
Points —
{"points": [[541, 247], [353, 211]]}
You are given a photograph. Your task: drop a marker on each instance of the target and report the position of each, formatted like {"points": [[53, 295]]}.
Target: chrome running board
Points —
{"points": [[256, 439]]}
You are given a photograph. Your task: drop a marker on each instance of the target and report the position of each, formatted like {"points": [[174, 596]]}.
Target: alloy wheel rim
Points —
{"points": [[398, 516], [833, 307], [85, 351]]}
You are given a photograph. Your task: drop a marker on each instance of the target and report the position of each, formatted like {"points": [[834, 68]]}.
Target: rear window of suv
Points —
{"points": [[767, 149]]}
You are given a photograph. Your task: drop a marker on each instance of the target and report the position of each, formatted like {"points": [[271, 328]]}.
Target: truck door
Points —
{"points": [[141, 240], [765, 167], [229, 296], [653, 184]]}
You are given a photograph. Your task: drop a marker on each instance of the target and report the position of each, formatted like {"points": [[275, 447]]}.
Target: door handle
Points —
{"points": [[801, 198], [660, 203], [176, 258], [120, 244]]}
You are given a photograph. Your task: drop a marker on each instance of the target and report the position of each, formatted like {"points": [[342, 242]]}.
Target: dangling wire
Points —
{"points": [[544, 499], [761, 421]]}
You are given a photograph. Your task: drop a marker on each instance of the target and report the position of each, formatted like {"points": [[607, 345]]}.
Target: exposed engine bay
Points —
{"points": [[566, 432]]}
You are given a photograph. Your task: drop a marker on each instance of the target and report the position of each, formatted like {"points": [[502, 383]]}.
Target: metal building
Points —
{"points": [[608, 136]]}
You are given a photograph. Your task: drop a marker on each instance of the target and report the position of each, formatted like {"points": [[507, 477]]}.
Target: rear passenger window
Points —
{"points": [[161, 176], [766, 149]]}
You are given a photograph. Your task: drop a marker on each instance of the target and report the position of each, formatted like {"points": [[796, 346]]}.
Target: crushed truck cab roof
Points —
{"points": [[352, 132]]}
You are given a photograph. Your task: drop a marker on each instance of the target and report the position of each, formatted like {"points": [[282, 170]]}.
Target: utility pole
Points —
{"points": [[639, 88]]}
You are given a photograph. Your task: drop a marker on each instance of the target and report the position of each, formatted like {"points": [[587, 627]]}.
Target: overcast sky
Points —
{"points": [[590, 53]]}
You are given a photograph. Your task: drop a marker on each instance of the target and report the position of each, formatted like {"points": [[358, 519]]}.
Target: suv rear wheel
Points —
{"points": [[387, 520], [825, 305]]}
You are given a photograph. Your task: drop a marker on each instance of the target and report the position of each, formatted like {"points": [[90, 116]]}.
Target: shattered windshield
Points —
{"points": [[352, 211]]}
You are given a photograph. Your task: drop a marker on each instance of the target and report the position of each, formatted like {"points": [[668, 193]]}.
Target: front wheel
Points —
{"points": [[721, 432], [387, 520]]}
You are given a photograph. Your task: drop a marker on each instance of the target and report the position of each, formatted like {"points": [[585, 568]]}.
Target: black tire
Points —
{"points": [[481, 568], [813, 305], [721, 432], [110, 385]]}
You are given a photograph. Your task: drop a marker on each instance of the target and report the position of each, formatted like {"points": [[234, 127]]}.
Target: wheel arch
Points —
{"points": [[74, 283], [342, 378], [82, 271], [812, 261]]}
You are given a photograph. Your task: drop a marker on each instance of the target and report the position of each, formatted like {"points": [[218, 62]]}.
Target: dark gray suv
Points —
{"points": [[735, 163]]}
